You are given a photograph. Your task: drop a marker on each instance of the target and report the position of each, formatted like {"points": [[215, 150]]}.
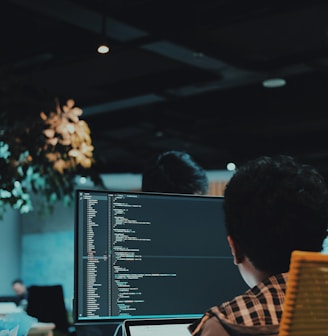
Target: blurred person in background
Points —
{"points": [[175, 172], [21, 291]]}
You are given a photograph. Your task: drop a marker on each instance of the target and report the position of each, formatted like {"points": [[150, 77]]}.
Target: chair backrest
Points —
{"points": [[47, 304], [306, 303]]}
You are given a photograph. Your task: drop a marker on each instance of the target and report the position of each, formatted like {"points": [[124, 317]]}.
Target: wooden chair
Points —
{"points": [[306, 303]]}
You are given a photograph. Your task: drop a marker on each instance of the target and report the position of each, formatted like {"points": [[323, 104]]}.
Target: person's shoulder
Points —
{"points": [[272, 288], [218, 325]]}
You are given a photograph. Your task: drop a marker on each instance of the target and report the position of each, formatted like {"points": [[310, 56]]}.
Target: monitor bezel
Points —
{"points": [[120, 319]]}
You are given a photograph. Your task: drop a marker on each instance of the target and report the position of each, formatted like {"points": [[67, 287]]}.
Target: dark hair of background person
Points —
{"points": [[175, 172], [20, 281], [21, 291], [19, 287], [274, 206]]}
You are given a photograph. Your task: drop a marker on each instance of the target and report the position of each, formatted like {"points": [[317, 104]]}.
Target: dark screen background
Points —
{"points": [[147, 254]]}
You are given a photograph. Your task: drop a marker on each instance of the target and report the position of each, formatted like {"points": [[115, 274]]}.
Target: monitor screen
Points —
{"points": [[150, 255]]}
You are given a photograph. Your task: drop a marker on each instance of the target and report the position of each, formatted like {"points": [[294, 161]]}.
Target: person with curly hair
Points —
{"points": [[272, 206]]}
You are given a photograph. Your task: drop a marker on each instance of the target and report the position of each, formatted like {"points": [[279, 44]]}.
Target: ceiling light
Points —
{"points": [[83, 180], [231, 166], [274, 82], [103, 48]]}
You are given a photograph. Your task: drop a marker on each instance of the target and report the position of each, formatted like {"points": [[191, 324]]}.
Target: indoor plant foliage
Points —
{"points": [[44, 158]]}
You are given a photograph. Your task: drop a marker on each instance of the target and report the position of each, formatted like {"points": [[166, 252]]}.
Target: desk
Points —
{"points": [[42, 329]]}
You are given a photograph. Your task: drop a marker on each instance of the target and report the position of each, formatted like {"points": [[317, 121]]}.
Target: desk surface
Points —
{"points": [[42, 329]]}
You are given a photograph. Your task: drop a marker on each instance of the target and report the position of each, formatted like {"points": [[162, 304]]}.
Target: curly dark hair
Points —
{"points": [[274, 205], [175, 172]]}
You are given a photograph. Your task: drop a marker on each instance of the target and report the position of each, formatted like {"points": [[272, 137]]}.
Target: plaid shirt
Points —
{"points": [[261, 305]]}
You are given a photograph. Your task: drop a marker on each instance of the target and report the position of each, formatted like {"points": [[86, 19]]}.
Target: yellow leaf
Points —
{"points": [[52, 142], [43, 116], [74, 153], [59, 165], [49, 133], [70, 103], [52, 157], [86, 163], [77, 111]]}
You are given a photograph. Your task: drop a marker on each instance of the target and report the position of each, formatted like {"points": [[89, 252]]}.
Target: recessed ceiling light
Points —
{"points": [[103, 49], [274, 82]]}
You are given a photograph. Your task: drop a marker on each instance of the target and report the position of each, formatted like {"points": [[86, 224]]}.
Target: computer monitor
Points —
{"points": [[10, 298], [149, 255]]}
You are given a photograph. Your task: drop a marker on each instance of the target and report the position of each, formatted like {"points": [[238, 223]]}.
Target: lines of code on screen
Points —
{"points": [[143, 254]]}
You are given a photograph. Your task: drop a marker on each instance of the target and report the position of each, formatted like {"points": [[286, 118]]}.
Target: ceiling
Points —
{"points": [[183, 75]]}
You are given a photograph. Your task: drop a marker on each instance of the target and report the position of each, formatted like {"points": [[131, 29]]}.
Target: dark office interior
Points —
{"points": [[225, 81], [187, 75]]}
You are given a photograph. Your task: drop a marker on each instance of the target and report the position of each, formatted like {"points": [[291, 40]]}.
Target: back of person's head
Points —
{"points": [[18, 286], [17, 281], [20, 281], [175, 172], [274, 205]]}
